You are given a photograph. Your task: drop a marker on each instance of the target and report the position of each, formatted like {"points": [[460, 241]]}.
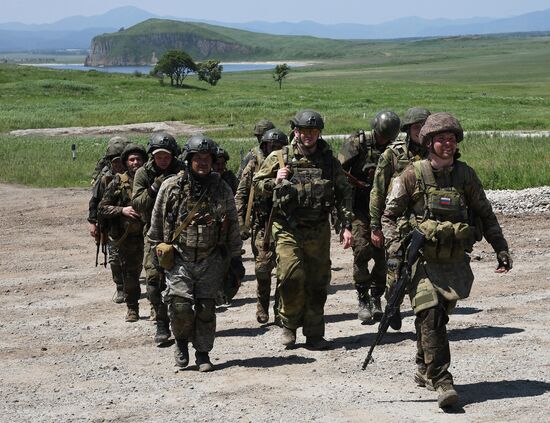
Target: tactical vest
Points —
{"points": [[445, 220], [128, 226], [262, 205]]}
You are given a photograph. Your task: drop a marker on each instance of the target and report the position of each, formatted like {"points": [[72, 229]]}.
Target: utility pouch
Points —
{"points": [[165, 255]]}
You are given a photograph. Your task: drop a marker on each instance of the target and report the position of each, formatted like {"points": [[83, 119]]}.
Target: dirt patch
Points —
{"points": [[68, 355]]}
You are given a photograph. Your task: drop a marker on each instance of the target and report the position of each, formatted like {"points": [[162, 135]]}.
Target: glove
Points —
{"points": [[155, 186], [245, 234], [504, 260], [237, 268]]}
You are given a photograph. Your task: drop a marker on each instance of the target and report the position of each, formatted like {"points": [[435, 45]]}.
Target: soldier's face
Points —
{"points": [[117, 165], [134, 162], [444, 145], [308, 136], [219, 166], [415, 131], [162, 160], [201, 163]]}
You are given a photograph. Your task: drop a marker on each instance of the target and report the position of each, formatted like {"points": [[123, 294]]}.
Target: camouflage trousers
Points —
{"points": [[130, 258], [155, 284], [114, 264], [265, 262], [363, 253], [303, 272], [191, 290]]}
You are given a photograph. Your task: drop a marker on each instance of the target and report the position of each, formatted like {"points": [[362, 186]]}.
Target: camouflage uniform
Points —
{"points": [[193, 283], [301, 230], [359, 156], [260, 128], [264, 260], [125, 235], [143, 201]]}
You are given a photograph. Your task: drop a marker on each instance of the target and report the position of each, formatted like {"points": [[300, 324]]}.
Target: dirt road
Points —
{"points": [[67, 354]]}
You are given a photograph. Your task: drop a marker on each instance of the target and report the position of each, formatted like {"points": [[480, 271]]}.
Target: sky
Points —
{"points": [[323, 11]]}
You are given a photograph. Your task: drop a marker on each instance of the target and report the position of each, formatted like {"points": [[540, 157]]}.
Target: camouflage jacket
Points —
{"points": [[101, 182], [213, 226], [117, 196], [359, 156], [143, 197], [408, 195], [391, 163], [252, 154], [322, 160]]}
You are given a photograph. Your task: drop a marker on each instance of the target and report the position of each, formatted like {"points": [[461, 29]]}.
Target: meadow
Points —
{"points": [[489, 83]]}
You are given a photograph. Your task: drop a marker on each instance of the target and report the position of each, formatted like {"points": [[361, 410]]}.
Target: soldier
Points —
{"points": [[163, 163], [253, 216], [195, 213], [391, 163], [220, 166], [105, 171], [260, 128], [359, 157], [126, 228], [306, 182], [446, 197]]}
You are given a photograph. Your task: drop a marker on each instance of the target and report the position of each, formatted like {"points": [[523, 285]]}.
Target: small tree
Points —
{"points": [[210, 71], [177, 64], [280, 72]]}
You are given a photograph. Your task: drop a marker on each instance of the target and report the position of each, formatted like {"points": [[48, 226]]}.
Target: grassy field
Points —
{"points": [[489, 83]]}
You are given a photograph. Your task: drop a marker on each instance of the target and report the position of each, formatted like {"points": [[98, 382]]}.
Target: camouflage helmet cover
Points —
{"points": [[115, 146], [199, 144], [275, 135], [440, 122], [412, 116], [386, 124], [163, 140], [262, 126], [133, 149], [307, 119]]}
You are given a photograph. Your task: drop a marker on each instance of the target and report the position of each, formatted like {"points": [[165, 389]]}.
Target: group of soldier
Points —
{"points": [[184, 216]]}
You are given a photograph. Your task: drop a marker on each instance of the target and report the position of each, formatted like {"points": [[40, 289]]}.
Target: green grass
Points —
{"points": [[501, 163]]}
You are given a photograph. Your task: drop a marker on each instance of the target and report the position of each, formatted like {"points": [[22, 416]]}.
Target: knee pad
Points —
{"points": [[206, 310], [181, 308]]}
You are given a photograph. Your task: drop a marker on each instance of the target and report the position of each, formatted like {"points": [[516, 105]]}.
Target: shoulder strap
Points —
{"points": [[280, 158], [183, 225]]}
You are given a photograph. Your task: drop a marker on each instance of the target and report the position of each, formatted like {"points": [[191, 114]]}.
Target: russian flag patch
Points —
{"points": [[444, 201]]}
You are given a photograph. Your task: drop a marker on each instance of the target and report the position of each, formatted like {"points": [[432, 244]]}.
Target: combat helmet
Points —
{"points": [[115, 146], [440, 122], [412, 116], [307, 118], [386, 124], [163, 141], [133, 149], [199, 144], [275, 135], [222, 152], [262, 126]]}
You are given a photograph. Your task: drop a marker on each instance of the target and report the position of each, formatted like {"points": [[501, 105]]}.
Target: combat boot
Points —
{"points": [[181, 353], [132, 315], [365, 309], [203, 361], [163, 332], [446, 395], [153, 313], [317, 343], [421, 378], [288, 337], [119, 296], [377, 312], [262, 315]]}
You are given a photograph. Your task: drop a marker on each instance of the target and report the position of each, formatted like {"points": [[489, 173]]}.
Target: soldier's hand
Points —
{"points": [[93, 230], [130, 212], [155, 186], [283, 173], [504, 262], [377, 238], [347, 239], [245, 234]]}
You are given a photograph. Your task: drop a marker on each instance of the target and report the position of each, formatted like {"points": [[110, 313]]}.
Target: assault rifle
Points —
{"points": [[274, 209], [415, 241], [101, 243]]}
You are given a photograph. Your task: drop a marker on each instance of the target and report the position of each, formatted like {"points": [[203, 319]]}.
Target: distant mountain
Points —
{"points": [[78, 31]]}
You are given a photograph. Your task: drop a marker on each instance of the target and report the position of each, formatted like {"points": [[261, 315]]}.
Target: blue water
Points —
{"points": [[227, 67]]}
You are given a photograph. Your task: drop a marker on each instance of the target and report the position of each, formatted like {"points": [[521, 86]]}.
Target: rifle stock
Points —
{"points": [[414, 243]]}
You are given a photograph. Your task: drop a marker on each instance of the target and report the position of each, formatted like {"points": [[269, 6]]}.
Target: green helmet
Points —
{"points": [[163, 141], [275, 135], [222, 153], [307, 119], [199, 144], [115, 146], [440, 122], [133, 149], [412, 116], [262, 126], [386, 124]]}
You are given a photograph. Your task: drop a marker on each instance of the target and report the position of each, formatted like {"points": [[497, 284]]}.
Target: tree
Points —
{"points": [[177, 64], [280, 72], [210, 71]]}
